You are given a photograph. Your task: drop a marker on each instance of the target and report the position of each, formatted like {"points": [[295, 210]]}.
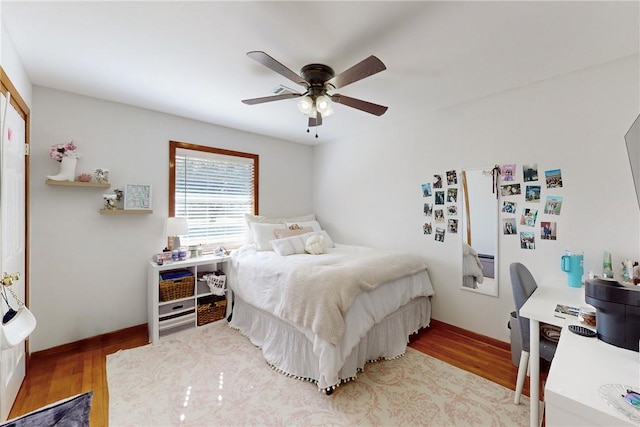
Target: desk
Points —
{"points": [[540, 307], [580, 366]]}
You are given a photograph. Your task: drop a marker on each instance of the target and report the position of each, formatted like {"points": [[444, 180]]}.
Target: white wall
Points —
{"points": [[12, 66], [88, 271], [367, 188]]}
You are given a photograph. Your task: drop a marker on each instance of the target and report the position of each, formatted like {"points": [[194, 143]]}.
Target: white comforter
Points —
{"points": [[256, 278], [262, 278]]}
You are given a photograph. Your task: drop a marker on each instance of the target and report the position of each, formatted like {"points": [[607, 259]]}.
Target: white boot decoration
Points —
{"points": [[67, 170]]}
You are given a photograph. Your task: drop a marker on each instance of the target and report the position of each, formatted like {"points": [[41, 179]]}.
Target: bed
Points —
{"points": [[301, 310]]}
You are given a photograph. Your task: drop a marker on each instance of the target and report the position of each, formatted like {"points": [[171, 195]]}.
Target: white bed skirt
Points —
{"points": [[290, 352]]}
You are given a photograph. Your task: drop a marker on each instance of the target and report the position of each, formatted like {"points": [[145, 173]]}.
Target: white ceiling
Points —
{"points": [[188, 58]]}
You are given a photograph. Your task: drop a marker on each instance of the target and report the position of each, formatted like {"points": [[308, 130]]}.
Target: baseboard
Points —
{"points": [[472, 335], [92, 343], [99, 341]]}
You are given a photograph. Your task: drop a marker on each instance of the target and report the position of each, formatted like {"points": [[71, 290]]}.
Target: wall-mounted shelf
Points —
{"points": [[78, 184], [125, 211]]}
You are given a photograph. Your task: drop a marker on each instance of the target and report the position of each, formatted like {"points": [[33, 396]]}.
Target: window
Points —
{"points": [[213, 189]]}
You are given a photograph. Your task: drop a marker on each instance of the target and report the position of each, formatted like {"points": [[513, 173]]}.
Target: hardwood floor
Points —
{"points": [[75, 368], [478, 354]]}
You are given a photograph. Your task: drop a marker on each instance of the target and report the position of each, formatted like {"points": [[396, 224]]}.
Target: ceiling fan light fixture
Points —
{"points": [[305, 105], [323, 105], [328, 111]]}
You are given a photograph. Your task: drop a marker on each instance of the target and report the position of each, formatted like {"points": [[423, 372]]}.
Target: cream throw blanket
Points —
{"points": [[317, 296]]}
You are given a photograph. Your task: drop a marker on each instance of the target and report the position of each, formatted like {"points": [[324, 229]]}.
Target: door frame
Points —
{"points": [[23, 110]]}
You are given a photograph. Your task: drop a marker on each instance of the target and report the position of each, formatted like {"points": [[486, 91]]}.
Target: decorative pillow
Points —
{"points": [[293, 225], [249, 218], [263, 234], [315, 245], [327, 240], [281, 234], [291, 245]]}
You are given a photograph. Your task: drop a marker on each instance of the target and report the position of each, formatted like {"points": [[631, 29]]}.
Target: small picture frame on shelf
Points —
{"points": [[137, 196], [110, 202], [100, 175]]}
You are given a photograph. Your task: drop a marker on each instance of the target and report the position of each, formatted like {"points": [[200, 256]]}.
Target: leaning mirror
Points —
{"points": [[632, 138], [480, 218]]}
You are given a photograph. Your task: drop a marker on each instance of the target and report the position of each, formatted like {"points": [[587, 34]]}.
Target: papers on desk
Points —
{"points": [[567, 309]]}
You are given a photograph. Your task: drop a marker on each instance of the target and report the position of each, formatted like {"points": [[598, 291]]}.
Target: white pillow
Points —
{"points": [[296, 244], [263, 235], [249, 218], [291, 245], [315, 225]]}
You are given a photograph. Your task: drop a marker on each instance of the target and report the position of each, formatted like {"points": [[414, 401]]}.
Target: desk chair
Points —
{"points": [[523, 284]]}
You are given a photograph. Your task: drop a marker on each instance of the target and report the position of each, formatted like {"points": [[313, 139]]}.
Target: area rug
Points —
{"points": [[214, 376]]}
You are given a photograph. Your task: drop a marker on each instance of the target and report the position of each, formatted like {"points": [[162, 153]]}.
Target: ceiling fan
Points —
{"points": [[318, 80]]}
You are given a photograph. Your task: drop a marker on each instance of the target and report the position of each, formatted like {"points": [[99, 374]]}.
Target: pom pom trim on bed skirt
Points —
{"points": [[275, 338], [342, 380]]}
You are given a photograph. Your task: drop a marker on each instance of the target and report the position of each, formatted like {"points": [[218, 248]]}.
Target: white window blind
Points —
{"points": [[213, 191]]}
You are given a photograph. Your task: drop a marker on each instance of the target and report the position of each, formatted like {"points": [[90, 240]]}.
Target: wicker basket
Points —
{"points": [[211, 311], [176, 288]]}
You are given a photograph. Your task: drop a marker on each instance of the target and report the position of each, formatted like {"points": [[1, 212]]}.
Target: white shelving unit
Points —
{"points": [[168, 317]]}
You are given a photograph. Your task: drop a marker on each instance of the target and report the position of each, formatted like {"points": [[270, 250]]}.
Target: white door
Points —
{"points": [[12, 237]]}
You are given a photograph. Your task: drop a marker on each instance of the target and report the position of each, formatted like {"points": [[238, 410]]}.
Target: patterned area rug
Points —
{"points": [[213, 376]]}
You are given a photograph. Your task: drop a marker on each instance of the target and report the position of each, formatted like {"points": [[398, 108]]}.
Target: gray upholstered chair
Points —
{"points": [[523, 284]]}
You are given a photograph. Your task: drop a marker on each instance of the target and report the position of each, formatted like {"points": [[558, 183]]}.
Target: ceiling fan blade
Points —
{"points": [[276, 66], [362, 69], [365, 106], [317, 121], [254, 101]]}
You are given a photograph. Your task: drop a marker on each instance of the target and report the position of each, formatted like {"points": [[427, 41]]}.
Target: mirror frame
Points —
{"points": [[489, 286]]}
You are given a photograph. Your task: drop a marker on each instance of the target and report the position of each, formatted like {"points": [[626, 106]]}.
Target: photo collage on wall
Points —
{"points": [[440, 205], [527, 210]]}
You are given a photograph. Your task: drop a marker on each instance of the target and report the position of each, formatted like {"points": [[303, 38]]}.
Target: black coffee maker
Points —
{"points": [[617, 311]]}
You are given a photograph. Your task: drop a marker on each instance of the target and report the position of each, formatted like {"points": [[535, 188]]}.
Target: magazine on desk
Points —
{"points": [[567, 309]]}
